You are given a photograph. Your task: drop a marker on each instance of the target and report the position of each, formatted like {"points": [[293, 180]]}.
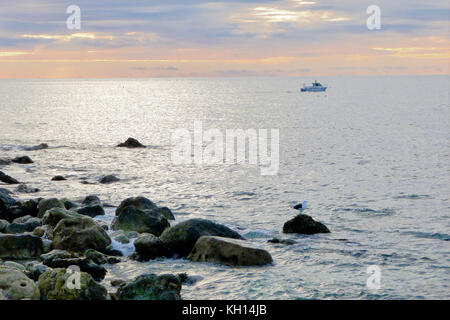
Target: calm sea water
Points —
{"points": [[371, 157]]}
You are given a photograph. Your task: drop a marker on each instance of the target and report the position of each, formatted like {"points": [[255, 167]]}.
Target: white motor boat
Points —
{"points": [[315, 87]]}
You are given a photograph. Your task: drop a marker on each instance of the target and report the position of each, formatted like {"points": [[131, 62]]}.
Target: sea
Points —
{"points": [[370, 156]]}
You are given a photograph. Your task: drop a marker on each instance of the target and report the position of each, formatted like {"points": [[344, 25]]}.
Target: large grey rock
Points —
{"points": [[47, 204], [133, 219], [149, 247], [151, 287], [65, 259], [91, 210], [11, 209], [55, 215], [61, 284], [181, 238], [229, 252], [140, 203], [304, 224], [23, 224], [80, 234], [15, 285], [20, 246]]}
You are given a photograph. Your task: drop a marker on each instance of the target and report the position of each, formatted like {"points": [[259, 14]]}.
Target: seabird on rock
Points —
{"points": [[300, 206]]}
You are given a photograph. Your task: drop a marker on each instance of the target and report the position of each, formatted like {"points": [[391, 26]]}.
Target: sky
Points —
{"points": [[234, 38]]}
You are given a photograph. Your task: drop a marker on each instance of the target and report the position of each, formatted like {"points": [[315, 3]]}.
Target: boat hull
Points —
{"points": [[312, 89]]}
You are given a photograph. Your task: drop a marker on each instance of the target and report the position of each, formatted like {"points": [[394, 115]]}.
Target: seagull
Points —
{"points": [[300, 206]]}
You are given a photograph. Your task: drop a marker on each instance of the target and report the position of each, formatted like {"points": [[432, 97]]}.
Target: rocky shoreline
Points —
{"points": [[55, 248]]}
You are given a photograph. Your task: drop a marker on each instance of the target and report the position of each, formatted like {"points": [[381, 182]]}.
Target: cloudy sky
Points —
{"points": [[234, 38]]}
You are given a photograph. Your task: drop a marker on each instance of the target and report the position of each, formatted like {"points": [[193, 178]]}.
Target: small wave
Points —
{"points": [[429, 235], [243, 193], [378, 212], [413, 196], [125, 248], [258, 234]]}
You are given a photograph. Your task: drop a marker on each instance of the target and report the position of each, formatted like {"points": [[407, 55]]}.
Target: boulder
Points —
{"points": [[20, 246], [5, 162], [58, 178], [91, 200], [165, 212], [140, 203], [80, 234], [181, 238], [7, 179], [22, 160], [109, 179], [304, 224], [23, 188], [41, 146], [64, 259], [150, 247], [23, 224], [55, 215], [11, 209], [151, 287], [133, 219], [131, 143], [15, 285], [91, 210], [25, 208], [62, 284], [47, 204], [228, 252]]}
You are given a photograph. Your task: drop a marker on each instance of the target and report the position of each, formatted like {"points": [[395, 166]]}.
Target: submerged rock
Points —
{"points": [[151, 287], [282, 241], [150, 247], [133, 219], [131, 143], [304, 224], [5, 162], [7, 179], [15, 285], [80, 234], [20, 246], [23, 188], [109, 179], [91, 200], [181, 238], [58, 178], [22, 160], [229, 252], [41, 146], [53, 285]]}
